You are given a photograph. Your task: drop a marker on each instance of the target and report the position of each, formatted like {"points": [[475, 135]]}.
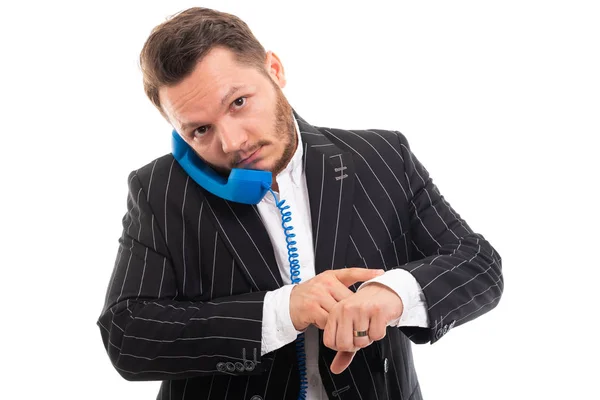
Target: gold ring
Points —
{"points": [[361, 333]]}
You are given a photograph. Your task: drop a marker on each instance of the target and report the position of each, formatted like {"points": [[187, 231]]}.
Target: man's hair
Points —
{"points": [[174, 47]]}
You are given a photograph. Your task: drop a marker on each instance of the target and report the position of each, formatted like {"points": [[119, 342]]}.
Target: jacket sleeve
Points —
{"points": [[150, 333], [460, 273]]}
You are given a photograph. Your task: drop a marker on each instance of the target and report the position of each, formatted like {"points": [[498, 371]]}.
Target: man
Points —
{"points": [[200, 296]]}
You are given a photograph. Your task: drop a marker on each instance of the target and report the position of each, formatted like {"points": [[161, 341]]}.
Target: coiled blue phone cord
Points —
{"points": [[286, 217]]}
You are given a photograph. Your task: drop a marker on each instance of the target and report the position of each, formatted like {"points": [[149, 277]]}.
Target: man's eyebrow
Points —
{"points": [[188, 125], [231, 92]]}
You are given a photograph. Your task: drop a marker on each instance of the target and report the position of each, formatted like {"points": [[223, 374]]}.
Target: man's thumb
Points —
{"points": [[341, 361]]}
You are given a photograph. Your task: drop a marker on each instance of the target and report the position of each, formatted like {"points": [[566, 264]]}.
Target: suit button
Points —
{"points": [[386, 365], [249, 365], [256, 397], [239, 366], [221, 367], [445, 329], [230, 367]]}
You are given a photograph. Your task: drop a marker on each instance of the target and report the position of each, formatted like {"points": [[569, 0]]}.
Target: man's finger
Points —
{"points": [[339, 292], [343, 337], [321, 318], [377, 327], [349, 276], [327, 302], [341, 361]]}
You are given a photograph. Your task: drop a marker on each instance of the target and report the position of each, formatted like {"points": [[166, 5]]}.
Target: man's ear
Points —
{"points": [[275, 69]]}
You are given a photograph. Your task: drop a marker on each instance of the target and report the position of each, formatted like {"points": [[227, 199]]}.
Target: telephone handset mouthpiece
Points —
{"points": [[242, 186]]}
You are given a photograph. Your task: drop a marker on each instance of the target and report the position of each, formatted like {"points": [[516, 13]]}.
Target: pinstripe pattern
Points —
{"points": [[192, 270]]}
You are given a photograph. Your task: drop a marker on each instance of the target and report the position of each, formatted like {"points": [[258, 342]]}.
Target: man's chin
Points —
{"points": [[259, 165]]}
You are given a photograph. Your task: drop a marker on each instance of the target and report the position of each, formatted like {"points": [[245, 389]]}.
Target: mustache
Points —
{"points": [[238, 157]]}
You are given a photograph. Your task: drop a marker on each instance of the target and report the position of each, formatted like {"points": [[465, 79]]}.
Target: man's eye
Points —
{"points": [[239, 101], [201, 130]]}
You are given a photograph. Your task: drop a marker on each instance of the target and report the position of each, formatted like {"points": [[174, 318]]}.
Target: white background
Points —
{"points": [[499, 100]]}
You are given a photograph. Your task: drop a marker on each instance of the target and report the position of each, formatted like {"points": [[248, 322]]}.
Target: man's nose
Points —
{"points": [[232, 139]]}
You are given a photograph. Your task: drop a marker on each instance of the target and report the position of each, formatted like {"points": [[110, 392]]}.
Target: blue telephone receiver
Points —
{"points": [[243, 186]]}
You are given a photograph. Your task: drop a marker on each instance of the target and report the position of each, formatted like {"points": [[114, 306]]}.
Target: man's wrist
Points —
{"points": [[404, 284], [277, 329], [396, 303]]}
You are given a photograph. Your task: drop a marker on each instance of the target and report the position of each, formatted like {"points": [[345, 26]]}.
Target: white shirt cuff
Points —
{"points": [[408, 289], [277, 327]]}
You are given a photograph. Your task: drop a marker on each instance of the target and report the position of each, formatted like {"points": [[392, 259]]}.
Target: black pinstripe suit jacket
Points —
{"points": [[184, 303]]}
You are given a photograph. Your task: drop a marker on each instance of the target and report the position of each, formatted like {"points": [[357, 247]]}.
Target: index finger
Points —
{"points": [[349, 276]]}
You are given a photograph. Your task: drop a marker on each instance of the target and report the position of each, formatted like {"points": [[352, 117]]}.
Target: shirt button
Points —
{"points": [[386, 366]]}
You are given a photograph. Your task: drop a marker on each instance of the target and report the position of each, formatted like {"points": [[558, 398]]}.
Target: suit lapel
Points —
{"points": [[244, 234], [330, 182]]}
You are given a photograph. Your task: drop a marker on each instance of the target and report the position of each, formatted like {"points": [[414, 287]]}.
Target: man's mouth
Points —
{"points": [[250, 159]]}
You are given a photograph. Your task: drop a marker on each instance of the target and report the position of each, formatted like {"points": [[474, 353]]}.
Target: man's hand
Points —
{"points": [[311, 301], [370, 309]]}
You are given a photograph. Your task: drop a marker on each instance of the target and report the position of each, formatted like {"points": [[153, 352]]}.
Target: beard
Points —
{"points": [[284, 130]]}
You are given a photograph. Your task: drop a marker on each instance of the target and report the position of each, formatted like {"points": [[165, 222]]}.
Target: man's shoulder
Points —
{"points": [[344, 137], [364, 137], [158, 168]]}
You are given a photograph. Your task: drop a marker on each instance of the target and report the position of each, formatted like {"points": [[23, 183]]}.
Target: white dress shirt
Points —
{"points": [[277, 327]]}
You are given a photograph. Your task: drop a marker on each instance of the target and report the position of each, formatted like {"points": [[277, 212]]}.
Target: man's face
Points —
{"points": [[233, 115]]}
